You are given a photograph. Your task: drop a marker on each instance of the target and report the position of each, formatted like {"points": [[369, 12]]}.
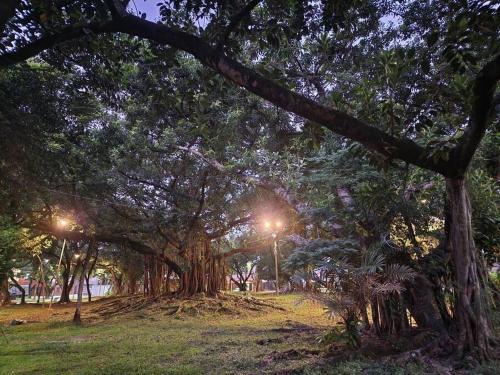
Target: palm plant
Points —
{"points": [[353, 277]]}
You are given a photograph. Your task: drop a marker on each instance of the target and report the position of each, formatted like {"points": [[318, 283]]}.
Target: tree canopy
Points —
{"points": [[370, 126]]}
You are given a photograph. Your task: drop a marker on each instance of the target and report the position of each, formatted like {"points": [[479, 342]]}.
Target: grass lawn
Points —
{"points": [[269, 342], [157, 344]]}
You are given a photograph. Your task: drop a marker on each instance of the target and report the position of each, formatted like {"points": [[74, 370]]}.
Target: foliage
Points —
{"points": [[10, 239], [351, 277]]}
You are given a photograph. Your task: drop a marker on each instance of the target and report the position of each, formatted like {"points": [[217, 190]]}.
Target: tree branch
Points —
{"points": [[483, 111], [241, 250], [50, 40], [117, 8], [337, 121], [7, 11], [108, 238], [276, 188], [235, 21], [229, 226]]}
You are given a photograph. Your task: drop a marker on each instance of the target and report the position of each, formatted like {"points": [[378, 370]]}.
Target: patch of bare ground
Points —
{"points": [[36, 313], [198, 305], [408, 354], [439, 358]]}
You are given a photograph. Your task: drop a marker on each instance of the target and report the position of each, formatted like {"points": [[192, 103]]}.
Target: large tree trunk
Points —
{"points": [[422, 304], [4, 292], [205, 272], [471, 305], [67, 285], [117, 283]]}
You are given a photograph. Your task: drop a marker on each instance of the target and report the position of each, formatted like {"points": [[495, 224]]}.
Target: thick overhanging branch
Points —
{"points": [[7, 11], [50, 40], [483, 111], [337, 121]]}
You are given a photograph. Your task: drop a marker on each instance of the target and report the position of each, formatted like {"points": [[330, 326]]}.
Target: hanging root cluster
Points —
{"points": [[196, 305]]}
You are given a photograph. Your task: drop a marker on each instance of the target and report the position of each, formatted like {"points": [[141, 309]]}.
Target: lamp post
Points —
{"points": [[275, 231], [62, 224]]}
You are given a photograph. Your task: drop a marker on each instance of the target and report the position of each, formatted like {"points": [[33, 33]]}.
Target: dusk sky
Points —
{"points": [[147, 6]]}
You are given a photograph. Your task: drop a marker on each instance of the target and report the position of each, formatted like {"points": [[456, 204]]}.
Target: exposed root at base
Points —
{"points": [[198, 305]]}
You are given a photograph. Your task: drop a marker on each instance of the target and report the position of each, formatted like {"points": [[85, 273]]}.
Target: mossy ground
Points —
{"points": [[271, 341]]}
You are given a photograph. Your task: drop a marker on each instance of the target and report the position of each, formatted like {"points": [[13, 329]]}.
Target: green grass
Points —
{"points": [[153, 343], [157, 344]]}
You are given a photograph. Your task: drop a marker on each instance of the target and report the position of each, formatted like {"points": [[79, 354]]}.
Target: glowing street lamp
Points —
{"points": [[61, 223], [278, 225]]}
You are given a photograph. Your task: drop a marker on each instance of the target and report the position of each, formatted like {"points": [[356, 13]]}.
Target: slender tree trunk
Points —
{"points": [[364, 316], [375, 315], [89, 293], [89, 274], [38, 291], [21, 289], [146, 275], [78, 311], [117, 281], [167, 280], [30, 288], [471, 305], [77, 317]]}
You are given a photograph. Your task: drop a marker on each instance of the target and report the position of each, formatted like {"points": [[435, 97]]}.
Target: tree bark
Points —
{"points": [[21, 289], [422, 304], [7, 11], [4, 292], [67, 282], [77, 317], [78, 311], [89, 293], [89, 273], [65, 287], [471, 305]]}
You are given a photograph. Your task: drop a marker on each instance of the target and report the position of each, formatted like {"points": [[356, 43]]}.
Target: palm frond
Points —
{"points": [[371, 263], [399, 273], [387, 288]]}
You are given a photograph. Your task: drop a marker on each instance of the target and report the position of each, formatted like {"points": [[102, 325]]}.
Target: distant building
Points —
{"points": [[31, 288]]}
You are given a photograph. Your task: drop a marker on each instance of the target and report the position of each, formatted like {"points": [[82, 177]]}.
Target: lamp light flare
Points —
{"points": [[279, 224], [62, 223], [267, 224]]}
